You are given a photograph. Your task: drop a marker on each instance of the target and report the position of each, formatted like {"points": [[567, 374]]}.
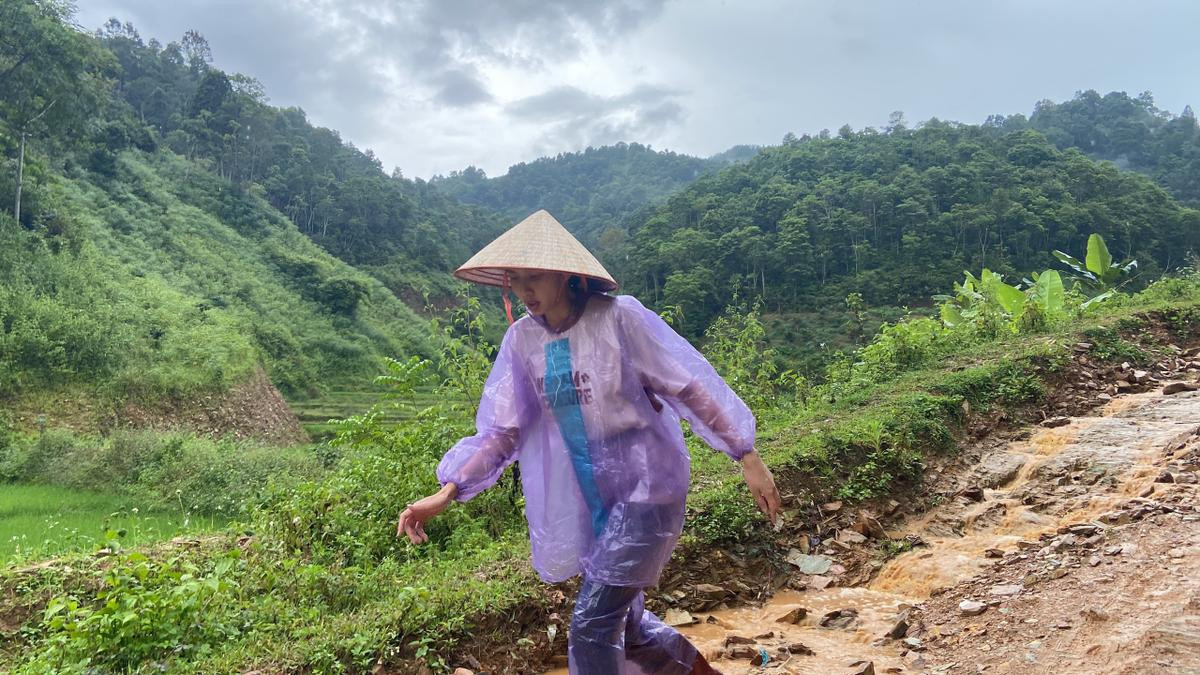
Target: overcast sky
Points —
{"points": [[436, 85]]}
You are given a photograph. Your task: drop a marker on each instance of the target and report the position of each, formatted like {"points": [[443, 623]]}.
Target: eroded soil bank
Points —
{"points": [[1076, 549]]}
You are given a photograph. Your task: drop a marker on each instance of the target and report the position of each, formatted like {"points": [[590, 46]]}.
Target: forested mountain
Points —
{"points": [[894, 215], [337, 195], [593, 191], [1132, 132], [160, 219]]}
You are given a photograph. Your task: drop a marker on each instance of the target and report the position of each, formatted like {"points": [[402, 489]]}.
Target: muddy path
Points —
{"points": [[1074, 549]]}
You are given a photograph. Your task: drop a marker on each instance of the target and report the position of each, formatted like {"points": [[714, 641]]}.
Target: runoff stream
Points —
{"points": [[1057, 477]]}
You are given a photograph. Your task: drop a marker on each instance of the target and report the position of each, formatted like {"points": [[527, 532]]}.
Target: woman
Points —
{"points": [[587, 392]]}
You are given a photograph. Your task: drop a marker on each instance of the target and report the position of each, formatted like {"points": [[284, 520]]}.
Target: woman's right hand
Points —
{"points": [[413, 518]]}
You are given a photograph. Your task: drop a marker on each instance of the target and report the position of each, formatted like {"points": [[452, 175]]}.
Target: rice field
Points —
{"points": [[316, 413], [40, 521]]}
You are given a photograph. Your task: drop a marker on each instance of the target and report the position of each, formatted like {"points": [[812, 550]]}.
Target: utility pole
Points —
{"points": [[21, 159]]}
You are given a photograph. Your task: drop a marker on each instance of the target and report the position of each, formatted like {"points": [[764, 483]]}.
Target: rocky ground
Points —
{"points": [[1070, 547]]}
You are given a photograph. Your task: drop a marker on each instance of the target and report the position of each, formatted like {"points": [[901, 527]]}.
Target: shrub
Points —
{"points": [[144, 610]]}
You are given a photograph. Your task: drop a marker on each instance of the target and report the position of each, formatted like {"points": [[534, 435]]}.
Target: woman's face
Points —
{"points": [[540, 291]]}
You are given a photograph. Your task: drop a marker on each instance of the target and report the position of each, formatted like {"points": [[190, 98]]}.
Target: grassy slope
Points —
{"points": [[183, 287]]}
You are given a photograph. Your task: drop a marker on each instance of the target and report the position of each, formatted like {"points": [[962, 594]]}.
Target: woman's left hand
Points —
{"points": [[762, 485]]}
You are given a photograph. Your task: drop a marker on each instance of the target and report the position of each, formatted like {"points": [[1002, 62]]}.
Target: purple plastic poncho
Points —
{"points": [[603, 463]]}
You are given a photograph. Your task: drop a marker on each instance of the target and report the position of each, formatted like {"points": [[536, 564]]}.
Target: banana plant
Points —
{"points": [[1097, 272], [975, 297]]}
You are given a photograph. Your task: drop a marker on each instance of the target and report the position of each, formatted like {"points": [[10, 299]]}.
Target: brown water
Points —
{"points": [[1071, 474]]}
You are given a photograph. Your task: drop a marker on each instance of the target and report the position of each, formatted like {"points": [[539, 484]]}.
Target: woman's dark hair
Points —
{"points": [[575, 283]]}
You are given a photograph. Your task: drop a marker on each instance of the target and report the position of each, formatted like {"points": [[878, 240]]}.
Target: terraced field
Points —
{"points": [[316, 414]]}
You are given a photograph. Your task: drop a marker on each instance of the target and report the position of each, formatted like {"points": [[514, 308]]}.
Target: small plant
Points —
{"points": [[1098, 273], [144, 610], [735, 344]]}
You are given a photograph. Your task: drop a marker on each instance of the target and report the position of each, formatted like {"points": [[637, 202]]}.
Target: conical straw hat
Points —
{"points": [[537, 243]]}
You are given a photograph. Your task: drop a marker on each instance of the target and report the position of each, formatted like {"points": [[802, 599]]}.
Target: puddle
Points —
{"points": [[1070, 474]]}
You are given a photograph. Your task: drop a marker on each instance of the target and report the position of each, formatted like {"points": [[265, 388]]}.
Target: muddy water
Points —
{"points": [[1068, 475]]}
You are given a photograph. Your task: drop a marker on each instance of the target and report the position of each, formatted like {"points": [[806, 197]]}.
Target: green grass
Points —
{"points": [[38, 521]]}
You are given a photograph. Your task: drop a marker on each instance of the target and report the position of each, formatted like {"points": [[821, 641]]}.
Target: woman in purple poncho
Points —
{"points": [[587, 392]]}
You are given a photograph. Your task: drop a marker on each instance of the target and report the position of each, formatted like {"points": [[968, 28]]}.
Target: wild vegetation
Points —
{"points": [[324, 585], [171, 232]]}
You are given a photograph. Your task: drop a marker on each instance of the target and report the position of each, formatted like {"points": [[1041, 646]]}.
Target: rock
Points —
{"points": [[760, 659], [1177, 387], [1056, 422], [914, 643], [463, 671], [998, 469], [892, 505], [1186, 477], [1083, 346], [731, 640], [863, 668], [1094, 560], [840, 618], [678, 617], [1064, 542], [993, 553], [818, 582], [850, 537], [868, 525], [741, 652], [900, 629], [765, 636], [831, 507], [971, 608], [1085, 529], [1104, 398], [793, 617], [809, 564], [1093, 614], [1140, 376], [1007, 589], [711, 591], [799, 648], [974, 493]]}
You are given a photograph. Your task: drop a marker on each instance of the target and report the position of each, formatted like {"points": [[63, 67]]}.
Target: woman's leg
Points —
{"points": [[612, 633], [653, 646], [596, 643]]}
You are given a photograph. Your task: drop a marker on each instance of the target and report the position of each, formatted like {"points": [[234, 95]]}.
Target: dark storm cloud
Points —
{"points": [[459, 88], [344, 60]]}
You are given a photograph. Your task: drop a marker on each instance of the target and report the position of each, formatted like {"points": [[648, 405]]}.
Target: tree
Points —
{"points": [[52, 76]]}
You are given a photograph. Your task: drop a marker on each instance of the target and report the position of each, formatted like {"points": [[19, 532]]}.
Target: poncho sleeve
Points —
{"points": [[507, 411], [670, 367]]}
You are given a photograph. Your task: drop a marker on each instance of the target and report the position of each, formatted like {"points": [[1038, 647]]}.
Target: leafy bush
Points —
{"points": [[735, 344], [144, 610]]}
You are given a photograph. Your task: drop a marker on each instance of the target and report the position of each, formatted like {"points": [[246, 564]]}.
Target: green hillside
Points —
{"points": [[893, 216], [1131, 132], [592, 192], [149, 258]]}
